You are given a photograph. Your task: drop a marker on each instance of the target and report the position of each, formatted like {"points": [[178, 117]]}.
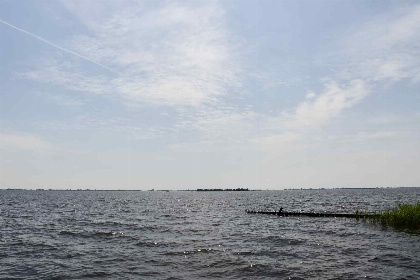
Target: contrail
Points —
{"points": [[54, 45]]}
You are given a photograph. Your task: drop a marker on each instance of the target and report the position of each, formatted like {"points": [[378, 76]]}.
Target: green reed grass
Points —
{"points": [[404, 216]]}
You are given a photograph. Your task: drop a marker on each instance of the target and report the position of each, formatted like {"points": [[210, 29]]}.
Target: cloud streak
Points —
{"points": [[56, 46], [173, 54]]}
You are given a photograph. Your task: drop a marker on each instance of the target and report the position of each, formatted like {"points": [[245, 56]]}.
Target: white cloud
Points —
{"points": [[173, 54], [181, 54], [310, 95], [320, 110], [70, 80], [386, 49], [376, 54]]}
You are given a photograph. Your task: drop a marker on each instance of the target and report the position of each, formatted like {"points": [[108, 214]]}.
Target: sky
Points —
{"points": [[209, 94]]}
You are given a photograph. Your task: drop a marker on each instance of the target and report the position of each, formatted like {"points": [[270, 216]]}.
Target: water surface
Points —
{"points": [[202, 235]]}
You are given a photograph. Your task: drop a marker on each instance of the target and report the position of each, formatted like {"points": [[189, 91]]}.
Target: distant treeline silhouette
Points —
{"points": [[223, 190]]}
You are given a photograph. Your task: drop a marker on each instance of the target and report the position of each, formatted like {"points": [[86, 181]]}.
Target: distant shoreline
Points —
{"points": [[207, 190], [223, 190]]}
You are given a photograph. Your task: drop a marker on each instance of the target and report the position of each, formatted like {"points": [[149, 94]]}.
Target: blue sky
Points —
{"points": [[192, 94]]}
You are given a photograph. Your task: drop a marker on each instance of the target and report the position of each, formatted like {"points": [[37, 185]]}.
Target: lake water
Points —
{"points": [[202, 235]]}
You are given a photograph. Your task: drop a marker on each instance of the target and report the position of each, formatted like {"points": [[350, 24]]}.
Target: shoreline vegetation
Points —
{"points": [[404, 216]]}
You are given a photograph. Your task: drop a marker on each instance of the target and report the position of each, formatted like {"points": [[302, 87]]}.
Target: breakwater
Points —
{"points": [[310, 214]]}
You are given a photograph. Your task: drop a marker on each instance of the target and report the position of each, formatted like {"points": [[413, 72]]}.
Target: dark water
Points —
{"points": [[196, 235]]}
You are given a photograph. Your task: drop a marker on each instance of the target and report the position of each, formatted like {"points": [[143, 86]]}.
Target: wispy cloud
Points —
{"points": [[319, 110], [385, 49], [54, 45], [173, 54], [70, 80], [183, 55], [378, 53]]}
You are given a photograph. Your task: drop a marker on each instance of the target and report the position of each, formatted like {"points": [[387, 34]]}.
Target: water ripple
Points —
{"points": [[191, 235]]}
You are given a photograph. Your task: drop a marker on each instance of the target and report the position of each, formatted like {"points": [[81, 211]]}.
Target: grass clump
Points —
{"points": [[404, 216]]}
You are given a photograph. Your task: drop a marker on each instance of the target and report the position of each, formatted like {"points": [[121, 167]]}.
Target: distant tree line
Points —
{"points": [[223, 190]]}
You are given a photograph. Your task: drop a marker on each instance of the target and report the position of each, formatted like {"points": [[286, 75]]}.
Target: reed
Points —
{"points": [[404, 216]]}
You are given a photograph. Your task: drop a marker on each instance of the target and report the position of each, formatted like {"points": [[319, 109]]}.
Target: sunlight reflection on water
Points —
{"points": [[190, 235]]}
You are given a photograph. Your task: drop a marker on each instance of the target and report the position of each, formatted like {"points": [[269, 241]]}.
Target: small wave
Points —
{"points": [[282, 240], [97, 274], [111, 233], [147, 244], [93, 234], [112, 223], [65, 232], [198, 251]]}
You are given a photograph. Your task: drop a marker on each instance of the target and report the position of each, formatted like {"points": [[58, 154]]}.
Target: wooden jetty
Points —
{"points": [[310, 214]]}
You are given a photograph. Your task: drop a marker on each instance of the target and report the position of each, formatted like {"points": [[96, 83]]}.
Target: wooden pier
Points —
{"points": [[310, 214]]}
